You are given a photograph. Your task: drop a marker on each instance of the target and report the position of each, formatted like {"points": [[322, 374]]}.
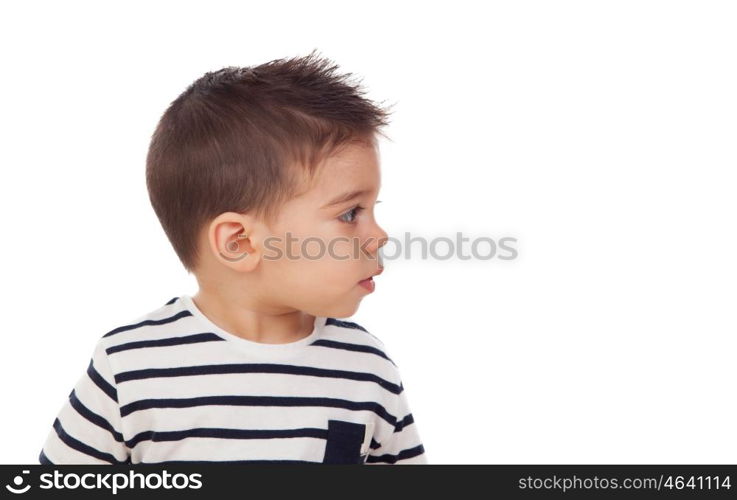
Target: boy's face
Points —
{"points": [[322, 245]]}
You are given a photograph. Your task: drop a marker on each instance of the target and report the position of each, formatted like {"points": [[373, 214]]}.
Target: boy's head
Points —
{"points": [[245, 171]]}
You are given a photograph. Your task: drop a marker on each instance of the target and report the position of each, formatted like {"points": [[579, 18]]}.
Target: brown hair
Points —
{"points": [[228, 142]]}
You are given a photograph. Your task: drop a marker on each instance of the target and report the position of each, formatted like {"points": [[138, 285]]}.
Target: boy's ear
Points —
{"points": [[234, 240]]}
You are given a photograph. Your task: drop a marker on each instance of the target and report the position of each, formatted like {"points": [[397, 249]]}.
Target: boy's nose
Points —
{"points": [[380, 239]]}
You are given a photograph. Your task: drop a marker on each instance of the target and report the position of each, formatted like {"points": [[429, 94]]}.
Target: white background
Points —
{"points": [[600, 134]]}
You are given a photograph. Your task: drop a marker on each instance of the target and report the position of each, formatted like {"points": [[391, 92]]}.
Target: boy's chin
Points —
{"points": [[345, 311]]}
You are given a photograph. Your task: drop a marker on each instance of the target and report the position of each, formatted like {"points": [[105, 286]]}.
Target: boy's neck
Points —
{"points": [[254, 325]]}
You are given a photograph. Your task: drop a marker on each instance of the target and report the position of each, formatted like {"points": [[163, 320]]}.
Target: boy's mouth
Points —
{"points": [[368, 283]]}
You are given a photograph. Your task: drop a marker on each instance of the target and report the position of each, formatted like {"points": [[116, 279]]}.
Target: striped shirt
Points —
{"points": [[172, 386]]}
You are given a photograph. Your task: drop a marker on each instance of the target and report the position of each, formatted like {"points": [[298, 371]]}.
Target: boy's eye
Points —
{"points": [[349, 217]]}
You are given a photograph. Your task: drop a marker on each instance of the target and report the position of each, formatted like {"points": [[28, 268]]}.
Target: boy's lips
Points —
{"points": [[368, 283]]}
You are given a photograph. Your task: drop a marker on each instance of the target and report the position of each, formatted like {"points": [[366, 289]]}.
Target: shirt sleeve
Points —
{"points": [[87, 429], [404, 446]]}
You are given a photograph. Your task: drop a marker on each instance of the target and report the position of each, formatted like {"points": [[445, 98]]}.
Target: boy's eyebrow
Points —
{"points": [[347, 197]]}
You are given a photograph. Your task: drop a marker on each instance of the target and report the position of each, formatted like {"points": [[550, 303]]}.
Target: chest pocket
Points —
{"points": [[347, 442]]}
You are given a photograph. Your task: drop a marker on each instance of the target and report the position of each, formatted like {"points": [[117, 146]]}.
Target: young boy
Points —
{"points": [[264, 180]]}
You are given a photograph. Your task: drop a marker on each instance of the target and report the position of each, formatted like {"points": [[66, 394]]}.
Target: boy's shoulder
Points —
{"points": [[166, 319], [353, 336], [354, 329]]}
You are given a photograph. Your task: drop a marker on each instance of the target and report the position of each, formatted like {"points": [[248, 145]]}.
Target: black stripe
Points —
{"points": [[80, 446], [375, 444], [254, 368], [349, 324], [402, 455], [187, 339], [171, 301], [146, 404], [102, 383], [352, 347], [93, 417], [226, 434], [409, 419], [344, 324], [179, 315], [43, 459]]}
